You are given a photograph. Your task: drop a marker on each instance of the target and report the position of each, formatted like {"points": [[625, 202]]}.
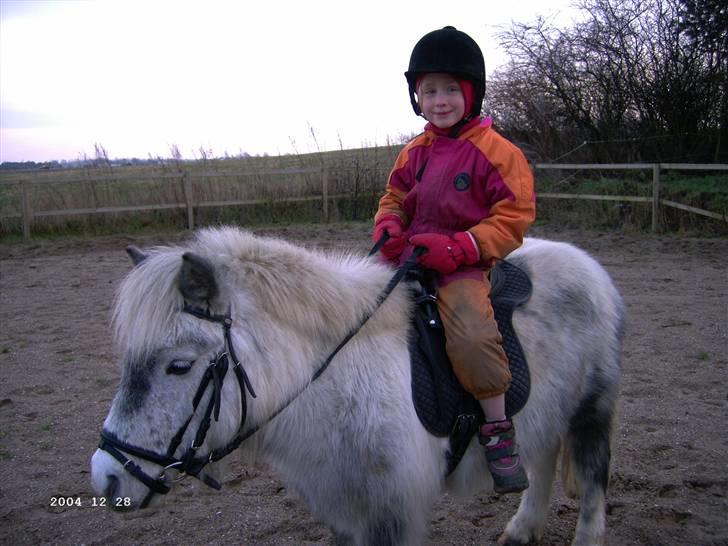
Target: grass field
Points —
{"points": [[274, 190]]}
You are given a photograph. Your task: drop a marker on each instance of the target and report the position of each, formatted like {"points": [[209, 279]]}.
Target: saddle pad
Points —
{"points": [[438, 397], [511, 288]]}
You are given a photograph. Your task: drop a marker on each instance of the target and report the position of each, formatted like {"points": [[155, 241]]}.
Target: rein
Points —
{"points": [[191, 465]]}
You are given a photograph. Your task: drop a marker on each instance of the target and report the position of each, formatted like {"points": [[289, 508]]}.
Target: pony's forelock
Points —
{"points": [[146, 302]]}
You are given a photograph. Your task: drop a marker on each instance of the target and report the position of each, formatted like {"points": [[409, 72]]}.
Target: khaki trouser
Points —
{"points": [[473, 341]]}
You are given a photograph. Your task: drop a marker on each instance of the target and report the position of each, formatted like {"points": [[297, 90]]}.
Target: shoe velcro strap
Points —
{"points": [[499, 437], [499, 445], [498, 453]]}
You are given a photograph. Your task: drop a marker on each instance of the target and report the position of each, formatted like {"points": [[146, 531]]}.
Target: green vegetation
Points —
{"points": [[709, 192]]}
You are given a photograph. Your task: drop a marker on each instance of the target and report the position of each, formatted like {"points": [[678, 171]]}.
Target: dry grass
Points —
{"points": [[288, 189], [271, 182]]}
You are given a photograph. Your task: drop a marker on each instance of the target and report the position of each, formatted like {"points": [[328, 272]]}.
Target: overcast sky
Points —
{"points": [[229, 76]]}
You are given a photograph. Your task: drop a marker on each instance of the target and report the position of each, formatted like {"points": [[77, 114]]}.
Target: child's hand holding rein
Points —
{"points": [[394, 246], [445, 254]]}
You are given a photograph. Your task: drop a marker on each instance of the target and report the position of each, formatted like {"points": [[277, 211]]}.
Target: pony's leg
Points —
{"points": [[387, 531], [530, 520], [588, 448], [394, 529], [343, 539]]}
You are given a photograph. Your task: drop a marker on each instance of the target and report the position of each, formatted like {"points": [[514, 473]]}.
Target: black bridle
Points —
{"points": [[190, 464]]}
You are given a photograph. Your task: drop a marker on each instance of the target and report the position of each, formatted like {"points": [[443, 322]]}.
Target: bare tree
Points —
{"points": [[706, 24], [626, 77]]}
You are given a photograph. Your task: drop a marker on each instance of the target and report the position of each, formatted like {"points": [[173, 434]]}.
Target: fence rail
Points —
{"points": [[28, 214]]}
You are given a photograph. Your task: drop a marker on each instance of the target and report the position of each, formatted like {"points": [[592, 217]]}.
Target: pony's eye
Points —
{"points": [[179, 367]]}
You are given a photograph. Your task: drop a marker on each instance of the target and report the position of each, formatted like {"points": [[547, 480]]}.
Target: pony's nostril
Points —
{"points": [[112, 487]]}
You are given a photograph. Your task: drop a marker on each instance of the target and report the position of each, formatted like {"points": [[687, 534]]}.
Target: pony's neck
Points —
{"points": [[322, 298], [296, 307]]}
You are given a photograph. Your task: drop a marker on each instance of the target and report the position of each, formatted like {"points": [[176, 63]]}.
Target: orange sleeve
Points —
{"points": [[502, 231], [397, 188]]}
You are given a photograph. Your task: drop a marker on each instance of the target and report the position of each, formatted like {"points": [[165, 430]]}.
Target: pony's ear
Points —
{"points": [[196, 280], [136, 255]]}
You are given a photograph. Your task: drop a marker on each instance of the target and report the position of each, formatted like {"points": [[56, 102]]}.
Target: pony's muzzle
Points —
{"points": [[111, 483]]}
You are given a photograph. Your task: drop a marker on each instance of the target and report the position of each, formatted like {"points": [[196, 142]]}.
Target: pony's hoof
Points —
{"points": [[505, 540]]}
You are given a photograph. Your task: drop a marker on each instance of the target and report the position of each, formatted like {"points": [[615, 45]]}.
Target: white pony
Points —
{"points": [[350, 443]]}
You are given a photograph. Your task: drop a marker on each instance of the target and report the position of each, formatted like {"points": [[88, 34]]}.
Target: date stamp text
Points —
{"points": [[75, 501]]}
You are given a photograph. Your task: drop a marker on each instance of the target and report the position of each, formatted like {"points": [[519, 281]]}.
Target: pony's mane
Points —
{"points": [[312, 291]]}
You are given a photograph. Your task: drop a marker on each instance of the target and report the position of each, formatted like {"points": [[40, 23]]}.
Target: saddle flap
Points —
{"points": [[509, 285]]}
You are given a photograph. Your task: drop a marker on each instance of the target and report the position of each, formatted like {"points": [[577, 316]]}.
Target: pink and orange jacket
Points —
{"points": [[478, 182]]}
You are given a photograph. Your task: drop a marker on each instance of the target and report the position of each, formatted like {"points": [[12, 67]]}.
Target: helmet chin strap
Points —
{"points": [[413, 100]]}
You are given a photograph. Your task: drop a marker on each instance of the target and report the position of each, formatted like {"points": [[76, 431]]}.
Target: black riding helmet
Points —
{"points": [[453, 52]]}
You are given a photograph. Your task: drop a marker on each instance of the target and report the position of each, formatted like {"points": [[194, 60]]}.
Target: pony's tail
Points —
{"points": [[574, 472]]}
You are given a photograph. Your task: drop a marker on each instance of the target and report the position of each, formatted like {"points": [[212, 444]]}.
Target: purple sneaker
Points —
{"points": [[499, 439]]}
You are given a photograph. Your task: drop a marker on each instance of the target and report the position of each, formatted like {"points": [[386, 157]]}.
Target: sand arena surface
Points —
{"points": [[58, 376]]}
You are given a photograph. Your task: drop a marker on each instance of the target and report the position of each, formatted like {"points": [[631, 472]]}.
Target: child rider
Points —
{"points": [[466, 195]]}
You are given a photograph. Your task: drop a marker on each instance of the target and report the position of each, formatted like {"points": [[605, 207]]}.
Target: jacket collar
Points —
{"points": [[457, 129]]}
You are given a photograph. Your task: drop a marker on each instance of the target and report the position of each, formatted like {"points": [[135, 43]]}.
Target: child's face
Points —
{"points": [[441, 100]]}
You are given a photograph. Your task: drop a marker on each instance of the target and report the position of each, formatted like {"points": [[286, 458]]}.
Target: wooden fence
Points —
{"points": [[28, 214], [655, 198], [190, 204]]}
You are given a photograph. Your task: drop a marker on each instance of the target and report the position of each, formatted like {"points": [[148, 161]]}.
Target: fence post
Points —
{"points": [[27, 213], [655, 197], [187, 186], [325, 191]]}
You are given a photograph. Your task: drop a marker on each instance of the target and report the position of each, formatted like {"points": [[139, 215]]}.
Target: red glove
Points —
{"points": [[446, 254], [394, 246]]}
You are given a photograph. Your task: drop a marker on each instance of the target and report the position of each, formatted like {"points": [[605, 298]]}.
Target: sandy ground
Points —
{"points": [[58, 375]]}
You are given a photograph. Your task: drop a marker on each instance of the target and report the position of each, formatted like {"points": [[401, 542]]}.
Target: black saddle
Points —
{"points": [[443, 406]]}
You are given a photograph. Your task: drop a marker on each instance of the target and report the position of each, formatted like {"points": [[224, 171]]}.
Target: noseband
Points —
{"points": [[189, 464]]}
